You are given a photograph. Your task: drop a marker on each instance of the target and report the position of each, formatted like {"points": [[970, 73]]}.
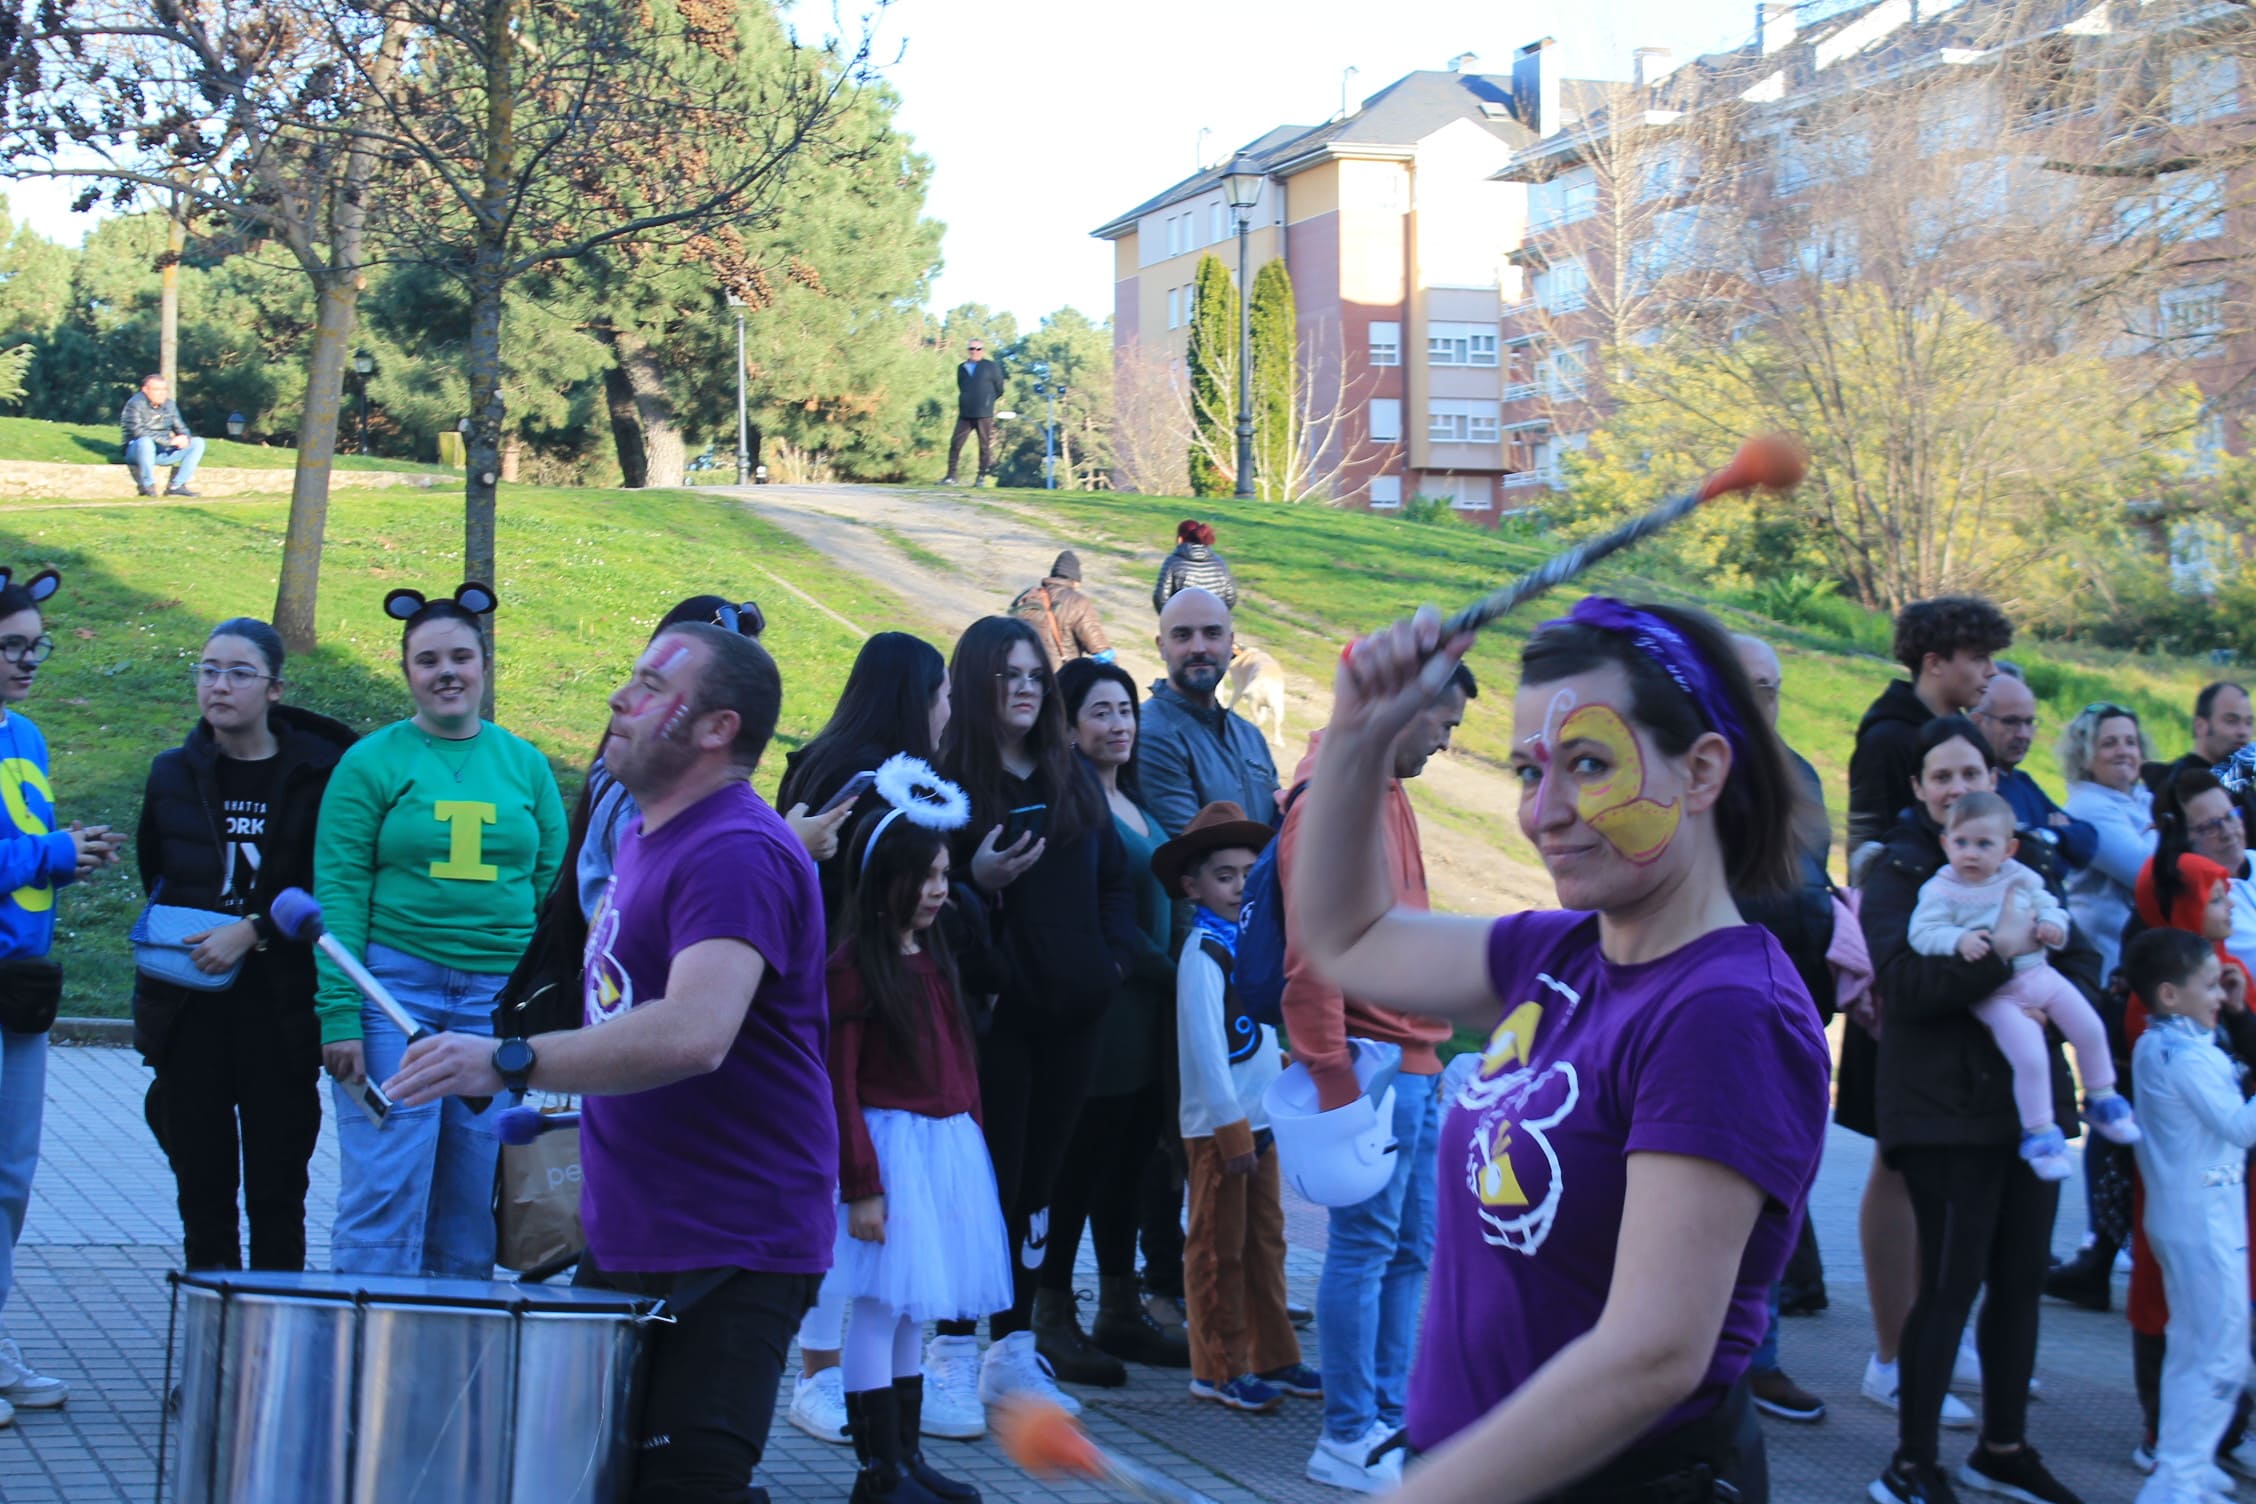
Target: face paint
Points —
{"points": [[670, 728], [1615, 806]]}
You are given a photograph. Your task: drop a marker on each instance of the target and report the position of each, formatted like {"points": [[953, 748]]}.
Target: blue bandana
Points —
{"points": [[1223, 932]]}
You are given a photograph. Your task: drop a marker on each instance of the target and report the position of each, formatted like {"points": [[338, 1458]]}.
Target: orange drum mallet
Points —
{"points": [[1049, 1443]]}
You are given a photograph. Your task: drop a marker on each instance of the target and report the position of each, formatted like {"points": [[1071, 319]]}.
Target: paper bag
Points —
{"points": [[537, 1204]]}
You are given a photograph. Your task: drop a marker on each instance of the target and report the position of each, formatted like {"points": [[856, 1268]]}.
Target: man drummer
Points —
{"points": [[708, 1142]]}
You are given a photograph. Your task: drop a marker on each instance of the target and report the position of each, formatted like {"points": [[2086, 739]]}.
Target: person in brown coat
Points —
{"points": [[1064, 618]]}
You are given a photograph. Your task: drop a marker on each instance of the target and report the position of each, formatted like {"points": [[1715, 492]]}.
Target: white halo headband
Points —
{"points": [[919, 795]]}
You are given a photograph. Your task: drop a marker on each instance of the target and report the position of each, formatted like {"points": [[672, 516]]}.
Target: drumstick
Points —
{"points": [[1047, 1442], [521, 1125], [297, 915]]}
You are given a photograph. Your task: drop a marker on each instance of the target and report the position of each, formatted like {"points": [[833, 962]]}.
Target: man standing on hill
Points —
{"points": [[155, 434], [1192, 752], [979, 386]]}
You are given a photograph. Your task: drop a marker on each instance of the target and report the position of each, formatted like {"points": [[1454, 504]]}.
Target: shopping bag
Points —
{"points": [[537, 1200]]}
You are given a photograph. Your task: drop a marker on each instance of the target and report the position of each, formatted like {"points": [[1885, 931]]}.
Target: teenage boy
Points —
{"points": [[1946, 645], [1244, 1354]]}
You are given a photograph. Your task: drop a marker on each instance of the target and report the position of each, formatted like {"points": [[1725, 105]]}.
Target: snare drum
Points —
{"points": [[374, 1389]]}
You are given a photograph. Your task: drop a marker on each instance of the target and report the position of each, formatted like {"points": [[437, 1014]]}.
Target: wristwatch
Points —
{"points": [[513, 1060]]}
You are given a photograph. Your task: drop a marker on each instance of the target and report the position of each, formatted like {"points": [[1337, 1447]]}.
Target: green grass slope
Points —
{"points": [[97, 444]]}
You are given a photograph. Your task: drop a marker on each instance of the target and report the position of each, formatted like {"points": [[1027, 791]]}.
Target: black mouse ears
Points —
{"points": [[40, 587], [473, 597]]}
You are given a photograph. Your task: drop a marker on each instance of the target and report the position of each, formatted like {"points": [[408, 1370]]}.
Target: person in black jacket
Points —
{"points": [[1948, 1126], [979, 386], [1194, 565], [1946, 645], [227, 822]]}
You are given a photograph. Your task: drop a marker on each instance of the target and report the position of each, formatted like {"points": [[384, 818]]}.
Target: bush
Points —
{"points": [[1429, 509]]}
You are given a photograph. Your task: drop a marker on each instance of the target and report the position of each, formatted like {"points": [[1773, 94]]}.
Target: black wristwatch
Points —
{"points": [[513, 1060]]}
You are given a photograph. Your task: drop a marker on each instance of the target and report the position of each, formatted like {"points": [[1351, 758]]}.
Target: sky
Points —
{"points": [[1045, 118]]}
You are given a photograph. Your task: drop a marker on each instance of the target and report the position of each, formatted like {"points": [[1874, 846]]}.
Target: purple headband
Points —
{"points": [[1666, 646]]}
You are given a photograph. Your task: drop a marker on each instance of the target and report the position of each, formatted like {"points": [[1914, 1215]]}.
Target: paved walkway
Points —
{"points": [[90, 1306]]}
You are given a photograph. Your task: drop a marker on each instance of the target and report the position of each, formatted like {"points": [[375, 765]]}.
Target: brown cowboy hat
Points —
{"points": [[1218, 827]]}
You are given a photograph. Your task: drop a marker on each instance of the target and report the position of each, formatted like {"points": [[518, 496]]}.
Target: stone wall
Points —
{"points": [[22, 480]]}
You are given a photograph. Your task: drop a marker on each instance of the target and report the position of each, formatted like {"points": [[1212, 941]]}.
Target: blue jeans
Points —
{"points": [[23, 1099], [144, 456], [416, 1195], [1765, 1359], [1375, 1274]]}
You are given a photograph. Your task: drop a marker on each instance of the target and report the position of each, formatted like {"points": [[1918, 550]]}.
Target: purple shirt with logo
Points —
{"points": [[1713, 1051], [737, 1168]]}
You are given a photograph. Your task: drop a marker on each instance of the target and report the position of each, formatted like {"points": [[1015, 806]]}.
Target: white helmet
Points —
{"points": [[1345, 1156]]}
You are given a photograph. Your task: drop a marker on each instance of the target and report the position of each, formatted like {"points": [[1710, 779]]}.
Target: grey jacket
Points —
{"points": [[1194, 565], [143, 419], [1186, 758]]}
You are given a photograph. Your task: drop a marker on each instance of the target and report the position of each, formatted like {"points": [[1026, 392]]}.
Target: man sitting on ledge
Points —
{"points": [[156, 434]]}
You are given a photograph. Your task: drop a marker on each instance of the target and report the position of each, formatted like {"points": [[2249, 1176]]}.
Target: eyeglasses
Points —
{"points": [[744, 620], [2106, 709], [27, 650], [1767, 688], [1037, 680], [2010, 722], [2210, 830], [210, 674]]}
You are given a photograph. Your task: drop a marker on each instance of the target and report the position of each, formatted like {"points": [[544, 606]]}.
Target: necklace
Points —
{"points": [[456, 768]]}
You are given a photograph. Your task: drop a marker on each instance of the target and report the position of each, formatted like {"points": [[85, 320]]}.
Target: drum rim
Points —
{"points": [[469, 1295]]}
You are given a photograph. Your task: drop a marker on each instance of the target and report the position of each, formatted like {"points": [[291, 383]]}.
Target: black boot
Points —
{"points": [[1125, 1329], [908, 1397], [1057, 1337], [2087, 1280], [873, 1421]]}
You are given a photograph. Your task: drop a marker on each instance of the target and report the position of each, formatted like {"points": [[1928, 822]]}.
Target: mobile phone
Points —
{"points": [[371, 1098], [1026, 820], [852, 789]]}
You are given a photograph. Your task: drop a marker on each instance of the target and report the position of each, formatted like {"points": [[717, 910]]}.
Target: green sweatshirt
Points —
{"points": [[441, 849]]}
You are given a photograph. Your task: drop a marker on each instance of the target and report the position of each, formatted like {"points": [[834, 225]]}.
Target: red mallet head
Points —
{"points": [[1045, 1441], [1771, 461]]}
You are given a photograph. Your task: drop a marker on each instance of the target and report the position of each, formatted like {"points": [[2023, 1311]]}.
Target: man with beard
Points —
{"points": [[709, 1144], [1190, 751]]}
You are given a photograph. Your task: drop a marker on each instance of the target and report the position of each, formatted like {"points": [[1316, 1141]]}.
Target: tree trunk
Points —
{"points": [[664, 456], [626, 428], [297, 594], [168, 298], [489, 280]]}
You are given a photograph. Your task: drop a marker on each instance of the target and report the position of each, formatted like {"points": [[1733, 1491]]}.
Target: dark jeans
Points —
{"points": [[1984, 1220], [1099, 1182], [965, 427], [1161, 1214], [709, 1389], [1805, 1267], [237, 1104]]}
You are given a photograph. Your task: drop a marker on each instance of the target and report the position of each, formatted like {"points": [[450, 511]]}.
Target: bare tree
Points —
{"points": [[1319, 399], [1151, 430]]}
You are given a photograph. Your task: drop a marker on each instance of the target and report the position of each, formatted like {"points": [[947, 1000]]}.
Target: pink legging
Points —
{"points": [[2020, 1039]]}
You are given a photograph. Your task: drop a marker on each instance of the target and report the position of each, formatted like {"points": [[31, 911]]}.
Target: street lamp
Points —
{"points": [[1241, 185], [236, 423], [743, 423], [365, 364]]}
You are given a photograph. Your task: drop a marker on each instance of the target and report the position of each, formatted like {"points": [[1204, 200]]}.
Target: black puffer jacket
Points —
{"points": [[1195, 566], [1942, 1082], [179, 841], [1883, 762], [1801, 919]]}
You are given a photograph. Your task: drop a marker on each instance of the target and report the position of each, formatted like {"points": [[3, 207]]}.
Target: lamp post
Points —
{"points": [[743, 423], [1241, 185], [236, 423], [365, 365]]}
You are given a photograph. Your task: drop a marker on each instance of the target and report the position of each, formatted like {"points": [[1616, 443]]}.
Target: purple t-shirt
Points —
{"points": [[736, 1168], [1713, 1051]]}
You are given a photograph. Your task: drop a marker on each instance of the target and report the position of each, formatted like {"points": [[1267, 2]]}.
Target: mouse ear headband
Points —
{"points": [[918, 795], [41, 586], [473, 597]]}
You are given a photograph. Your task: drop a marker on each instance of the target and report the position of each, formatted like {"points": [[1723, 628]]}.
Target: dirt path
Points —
{"points": [[961, 555]]}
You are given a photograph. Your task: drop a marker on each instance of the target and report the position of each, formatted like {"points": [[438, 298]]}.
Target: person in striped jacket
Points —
{"points": [[1195, 564]]}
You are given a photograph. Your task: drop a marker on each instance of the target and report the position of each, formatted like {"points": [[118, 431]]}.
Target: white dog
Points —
{"points": [[1256, 677]]}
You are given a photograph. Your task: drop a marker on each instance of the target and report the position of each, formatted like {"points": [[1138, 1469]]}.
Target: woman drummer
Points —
{"points": [[1625, 1171]]}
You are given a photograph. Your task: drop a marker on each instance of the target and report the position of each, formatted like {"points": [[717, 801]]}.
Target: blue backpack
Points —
{"points": [[1260, 972]]}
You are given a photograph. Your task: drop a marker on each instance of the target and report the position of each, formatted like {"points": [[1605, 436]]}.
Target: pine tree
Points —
{"points": [[1213, 368], [1276, 342]]}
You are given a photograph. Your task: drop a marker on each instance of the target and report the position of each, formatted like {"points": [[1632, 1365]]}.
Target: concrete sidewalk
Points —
{"points": [[91, 1307]]}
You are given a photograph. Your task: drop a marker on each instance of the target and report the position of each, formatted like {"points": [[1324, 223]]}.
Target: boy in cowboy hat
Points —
{"points": [[1243, 1351]]}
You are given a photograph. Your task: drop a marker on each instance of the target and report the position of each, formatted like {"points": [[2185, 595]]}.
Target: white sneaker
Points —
{"points": [[2143, 1458], [951, 1390], [1880, 1387], [1013, 1367], [1348, 1464], [7, 1414], [24, 1387], [818, 1405], [1966, 1371]]}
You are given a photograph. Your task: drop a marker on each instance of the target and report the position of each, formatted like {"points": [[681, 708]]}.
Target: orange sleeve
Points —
{"points": [[1315, 1012]]}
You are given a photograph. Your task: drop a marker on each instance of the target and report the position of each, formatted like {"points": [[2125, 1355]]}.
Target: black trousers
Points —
{"points": [[1100, 1183], [965, 427], [1984, 1221], [1161, 1215], [236, 1104], [709, 1391]]}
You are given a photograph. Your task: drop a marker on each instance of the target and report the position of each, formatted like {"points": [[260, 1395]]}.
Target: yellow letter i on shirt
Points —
{"points": [[466, 821]]}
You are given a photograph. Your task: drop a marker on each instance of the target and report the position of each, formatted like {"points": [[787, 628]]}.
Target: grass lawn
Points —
{"points": [[97, 444], [584, 576]]}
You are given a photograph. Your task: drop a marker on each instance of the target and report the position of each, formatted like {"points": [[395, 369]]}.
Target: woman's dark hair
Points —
{"points": [[444, 609], [887, 703], [1075, 680], [259, 635], [2173, 833], [971, 752], [705, 610], [1951, 728], [1760, 811], [879, 903]]}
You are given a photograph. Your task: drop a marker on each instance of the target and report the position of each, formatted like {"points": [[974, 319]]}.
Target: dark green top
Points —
{"points": [[1128, 1039]]}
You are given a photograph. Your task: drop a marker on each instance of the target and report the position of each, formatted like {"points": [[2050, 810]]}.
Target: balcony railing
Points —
{"points": [[1519, 391]]}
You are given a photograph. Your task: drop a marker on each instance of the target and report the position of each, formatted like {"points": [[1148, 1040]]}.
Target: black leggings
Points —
{"points": [[1160, 1209], [1098, 1183], [1984, 1221]]}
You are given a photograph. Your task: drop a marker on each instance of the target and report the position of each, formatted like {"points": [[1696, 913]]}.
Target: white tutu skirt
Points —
{"points": [[946, 1255]]}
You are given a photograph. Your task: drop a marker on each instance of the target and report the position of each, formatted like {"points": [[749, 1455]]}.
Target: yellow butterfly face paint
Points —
{"points": [[1615, 806]]}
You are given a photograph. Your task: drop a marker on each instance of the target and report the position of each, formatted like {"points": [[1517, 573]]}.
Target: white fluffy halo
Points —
{"points": [[922, 796]]}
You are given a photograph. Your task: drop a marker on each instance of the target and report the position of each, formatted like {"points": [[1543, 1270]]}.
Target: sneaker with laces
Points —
{"points": [[1012, 1366], [1907, 1482], [1358, 1466], [1880, 1387], [1776, 1394], [24, 1387], [1245, 1392], [951, 1390], [2018, 1474], [1296, 1379], [818, 1405], [2111, 1118], [2047, 1154]]}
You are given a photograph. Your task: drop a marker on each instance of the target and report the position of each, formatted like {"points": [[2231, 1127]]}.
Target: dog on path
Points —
{"points": [[1256, 677]]}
